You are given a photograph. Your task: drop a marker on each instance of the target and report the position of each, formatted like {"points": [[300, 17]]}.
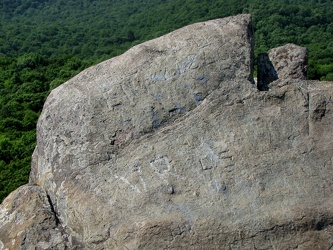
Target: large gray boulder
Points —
{"points": [[171, 146]]}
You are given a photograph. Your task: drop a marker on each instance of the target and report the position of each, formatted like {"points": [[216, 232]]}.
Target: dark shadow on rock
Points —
{"points": [[266, 72]]}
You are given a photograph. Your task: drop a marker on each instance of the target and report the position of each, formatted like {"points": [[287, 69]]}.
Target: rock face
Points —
{"points": [[171, 146], [285, 62], [28, 221]]}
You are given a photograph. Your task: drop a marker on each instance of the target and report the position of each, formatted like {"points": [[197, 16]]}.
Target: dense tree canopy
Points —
{"points": [[43, 43]]}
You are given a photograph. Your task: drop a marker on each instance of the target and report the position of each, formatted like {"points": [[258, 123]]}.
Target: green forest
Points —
{"points": [[43, 43]]}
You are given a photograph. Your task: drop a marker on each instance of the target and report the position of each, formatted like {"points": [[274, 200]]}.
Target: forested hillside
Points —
{"points": [[45, 42]]}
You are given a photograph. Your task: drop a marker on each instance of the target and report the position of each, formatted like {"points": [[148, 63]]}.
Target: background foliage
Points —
{"points": [[43, 43]]}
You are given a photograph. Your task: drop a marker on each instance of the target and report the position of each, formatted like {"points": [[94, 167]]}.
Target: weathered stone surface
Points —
{"points": [[170, 146], [285, 62], [27, 221]]}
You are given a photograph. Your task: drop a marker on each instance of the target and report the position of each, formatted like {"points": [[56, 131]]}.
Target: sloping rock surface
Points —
{"points": [[171, 146]]}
